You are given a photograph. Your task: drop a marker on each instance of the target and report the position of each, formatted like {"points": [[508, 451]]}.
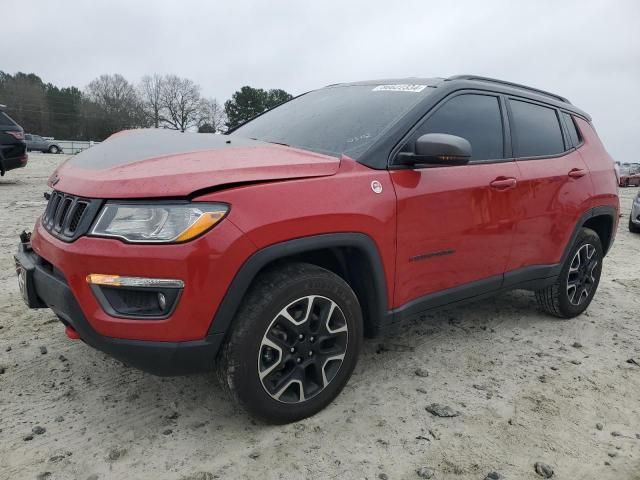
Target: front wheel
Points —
{"points": [[54, 149], [294, 343], [578, 281]]}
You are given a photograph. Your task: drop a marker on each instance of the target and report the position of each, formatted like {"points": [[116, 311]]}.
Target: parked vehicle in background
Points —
{"points": [[269, 253], [629, 175], [634, 217], [41, 144], [13, 149]]}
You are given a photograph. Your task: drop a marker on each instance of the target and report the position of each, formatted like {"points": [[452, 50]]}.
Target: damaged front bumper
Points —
{"points": [[43, 286]]}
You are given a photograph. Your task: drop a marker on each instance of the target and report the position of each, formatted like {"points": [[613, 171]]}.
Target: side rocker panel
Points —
{"points": [[532, 277]]}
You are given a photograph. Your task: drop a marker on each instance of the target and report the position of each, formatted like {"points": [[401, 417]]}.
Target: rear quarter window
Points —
{"points": [[574, 133], [536, 129]]}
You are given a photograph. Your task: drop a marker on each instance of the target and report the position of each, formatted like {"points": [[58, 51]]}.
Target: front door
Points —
{"points": [[455, 223]]}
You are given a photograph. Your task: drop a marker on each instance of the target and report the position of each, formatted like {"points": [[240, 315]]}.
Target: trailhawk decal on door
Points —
{"points": [[403, 87]]}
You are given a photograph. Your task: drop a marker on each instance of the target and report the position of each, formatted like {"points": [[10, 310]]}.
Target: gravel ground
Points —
{"points": [[525, 388]]}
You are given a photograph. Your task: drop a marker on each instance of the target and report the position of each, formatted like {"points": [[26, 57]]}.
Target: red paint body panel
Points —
{"points": [[452, 209], [549, 203], [601, 167], [180, 175], [206, 265], [275, 212]]}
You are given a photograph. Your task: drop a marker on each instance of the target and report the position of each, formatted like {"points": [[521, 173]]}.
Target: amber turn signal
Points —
{"points": [[202, 224]]}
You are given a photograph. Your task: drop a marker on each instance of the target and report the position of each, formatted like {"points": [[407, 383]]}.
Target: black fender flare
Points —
{"points": [[604, 210], [240, 284], [535, 277]]}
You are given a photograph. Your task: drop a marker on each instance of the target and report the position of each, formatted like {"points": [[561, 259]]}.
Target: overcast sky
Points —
{"points": [[588, 51]]}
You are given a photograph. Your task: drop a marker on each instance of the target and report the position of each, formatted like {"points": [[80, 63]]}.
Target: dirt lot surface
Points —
{"points": [[528, 388]]}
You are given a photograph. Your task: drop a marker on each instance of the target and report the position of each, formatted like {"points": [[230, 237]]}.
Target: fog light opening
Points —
{"points": [[162, 301], [139, 298]]}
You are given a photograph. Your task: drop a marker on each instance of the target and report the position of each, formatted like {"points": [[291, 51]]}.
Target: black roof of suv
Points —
{"points": [[431, 91], [456, 82]]}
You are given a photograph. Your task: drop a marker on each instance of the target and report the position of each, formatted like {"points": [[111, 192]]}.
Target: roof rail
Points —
{"points": [[510, 84]]}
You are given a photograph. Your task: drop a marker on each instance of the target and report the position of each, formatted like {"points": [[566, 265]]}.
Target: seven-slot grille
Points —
{"points": [[65, 214]]}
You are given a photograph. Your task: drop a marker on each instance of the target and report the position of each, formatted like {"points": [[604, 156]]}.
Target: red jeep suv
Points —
{"points": [[268, 253]]}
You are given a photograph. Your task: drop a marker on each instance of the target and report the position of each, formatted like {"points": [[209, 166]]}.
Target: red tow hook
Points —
{"points": [[71, 332]]}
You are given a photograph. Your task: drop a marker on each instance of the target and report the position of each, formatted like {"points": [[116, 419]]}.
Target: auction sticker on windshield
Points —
{"points": [[403, 87]]}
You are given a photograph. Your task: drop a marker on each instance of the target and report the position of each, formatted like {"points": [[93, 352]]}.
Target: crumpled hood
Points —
{"points": [[164, 163]]}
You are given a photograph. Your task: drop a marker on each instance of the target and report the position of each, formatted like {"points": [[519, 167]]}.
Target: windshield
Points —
{"points": [[344, 119]]}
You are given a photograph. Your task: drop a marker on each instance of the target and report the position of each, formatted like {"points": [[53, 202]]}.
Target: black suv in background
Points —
{"points": [[13, 149]]}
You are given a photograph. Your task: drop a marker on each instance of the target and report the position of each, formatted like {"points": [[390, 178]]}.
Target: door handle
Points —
{"points": [[577, 173], [503, 183]]}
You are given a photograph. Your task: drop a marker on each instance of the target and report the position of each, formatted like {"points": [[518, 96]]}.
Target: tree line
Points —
{"points": [[111, 103]]}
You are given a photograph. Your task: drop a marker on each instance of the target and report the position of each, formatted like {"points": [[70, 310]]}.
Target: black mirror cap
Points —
{"points": [[438, 149]]}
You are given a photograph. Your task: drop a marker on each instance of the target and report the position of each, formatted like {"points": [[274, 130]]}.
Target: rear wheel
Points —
{"points": [[294, 343], [578, 280], [633, 228]]}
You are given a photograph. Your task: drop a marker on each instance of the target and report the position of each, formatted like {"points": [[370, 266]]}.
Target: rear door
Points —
{"points": [[555, 186], [455, 223]]}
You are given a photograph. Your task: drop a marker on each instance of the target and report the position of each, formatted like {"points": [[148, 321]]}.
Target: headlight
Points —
{"points": [[157, 223]]}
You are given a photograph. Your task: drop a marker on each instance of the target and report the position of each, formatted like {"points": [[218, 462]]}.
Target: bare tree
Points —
{"points": [[118, 100], [212, 117], [150, 91], [181, 102]]}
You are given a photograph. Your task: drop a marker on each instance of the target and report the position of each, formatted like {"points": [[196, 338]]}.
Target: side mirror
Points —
{"points": [[437, 149]]}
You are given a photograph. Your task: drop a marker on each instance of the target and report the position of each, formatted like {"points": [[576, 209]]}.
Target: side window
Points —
{"points": [[27, 137], [474, 117], [574, 135], [536, 130]]}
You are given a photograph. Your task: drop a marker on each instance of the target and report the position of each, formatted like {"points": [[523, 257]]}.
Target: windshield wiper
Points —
{"points": [[269, 141]]}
